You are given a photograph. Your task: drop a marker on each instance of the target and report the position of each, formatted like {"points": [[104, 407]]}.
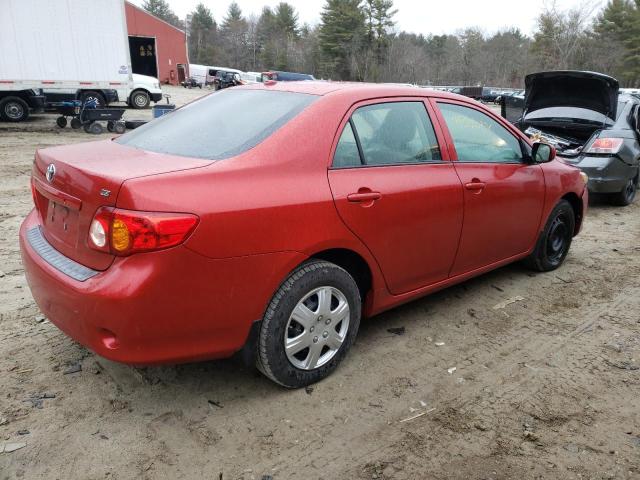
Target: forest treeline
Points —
{"points": [[360, 40]]}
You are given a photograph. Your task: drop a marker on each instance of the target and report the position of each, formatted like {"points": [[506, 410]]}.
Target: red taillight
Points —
{"points": [[124, 232], [607, 146]]}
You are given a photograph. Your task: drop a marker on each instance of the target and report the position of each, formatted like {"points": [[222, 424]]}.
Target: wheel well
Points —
{"points": [[352, 263], [139, 90], [576, 204]]}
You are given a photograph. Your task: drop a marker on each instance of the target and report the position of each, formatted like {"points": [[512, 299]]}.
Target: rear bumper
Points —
{"points": [[606, 174], [163, 307]]}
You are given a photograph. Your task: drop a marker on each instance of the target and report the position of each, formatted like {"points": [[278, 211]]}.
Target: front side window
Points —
{"points": [[221, 125], [479, 138], [388, 134]]}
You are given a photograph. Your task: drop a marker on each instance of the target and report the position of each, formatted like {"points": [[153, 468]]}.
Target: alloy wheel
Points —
{"points": [[317, 328]]}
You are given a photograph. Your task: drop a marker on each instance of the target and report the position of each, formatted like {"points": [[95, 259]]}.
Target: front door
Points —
{"points": [[503, 191], [395, 191]]}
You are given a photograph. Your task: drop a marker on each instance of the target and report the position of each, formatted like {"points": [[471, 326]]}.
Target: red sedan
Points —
{"points": [[268, 219]]}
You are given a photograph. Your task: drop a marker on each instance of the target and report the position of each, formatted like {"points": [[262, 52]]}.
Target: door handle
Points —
{"points": [[475, 185], [364, 197]]}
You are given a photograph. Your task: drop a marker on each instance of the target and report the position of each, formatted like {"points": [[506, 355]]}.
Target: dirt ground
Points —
{"points": [[546, 387]]}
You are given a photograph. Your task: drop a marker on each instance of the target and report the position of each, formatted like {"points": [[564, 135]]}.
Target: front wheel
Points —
{"points": [[555, 240], [140, 99], [309, 325]]}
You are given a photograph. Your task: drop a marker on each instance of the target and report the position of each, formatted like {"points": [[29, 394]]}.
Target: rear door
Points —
{"points": [[397, 192], [503, 193]]}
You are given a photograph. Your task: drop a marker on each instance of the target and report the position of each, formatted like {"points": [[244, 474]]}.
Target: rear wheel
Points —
{"points": [[555, 240], [95, 97], [628, 193], [76, 123], [309, 325], [14, 109]]}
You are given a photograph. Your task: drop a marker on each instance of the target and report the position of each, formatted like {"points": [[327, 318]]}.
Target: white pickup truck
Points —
{"points": [[67, 50]]}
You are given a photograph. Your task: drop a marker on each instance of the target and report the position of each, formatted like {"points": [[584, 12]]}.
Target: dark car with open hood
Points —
{"points": [[592, 126]]}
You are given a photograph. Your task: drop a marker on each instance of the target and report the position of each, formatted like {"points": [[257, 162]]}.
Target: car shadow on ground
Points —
{"points": [[231, 378]]}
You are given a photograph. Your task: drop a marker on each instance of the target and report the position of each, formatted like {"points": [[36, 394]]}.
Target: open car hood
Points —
{"points": [[590, 90]]}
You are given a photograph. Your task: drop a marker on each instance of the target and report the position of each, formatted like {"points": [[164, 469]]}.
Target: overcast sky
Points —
{"points": [[418, 16]]}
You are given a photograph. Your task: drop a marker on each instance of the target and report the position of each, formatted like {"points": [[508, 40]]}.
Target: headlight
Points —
{"points": [[157, 85], [584, 177]]}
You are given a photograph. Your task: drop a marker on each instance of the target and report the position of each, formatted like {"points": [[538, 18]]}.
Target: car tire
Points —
{"points": [[301, 310], [90, 94], [120, 128], [628, 193], [139, 99], [14, 109], [554, 242]]}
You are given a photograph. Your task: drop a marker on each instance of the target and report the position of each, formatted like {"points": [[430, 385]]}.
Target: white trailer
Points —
{"points": [[76, 47]]}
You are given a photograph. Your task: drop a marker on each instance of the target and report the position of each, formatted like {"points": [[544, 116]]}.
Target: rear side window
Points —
{"points": [[389, 134], [479, 138], [220, 125], [347, 154]]}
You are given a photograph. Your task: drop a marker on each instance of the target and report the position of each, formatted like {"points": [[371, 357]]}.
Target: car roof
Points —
{"points": [[355, 89]]}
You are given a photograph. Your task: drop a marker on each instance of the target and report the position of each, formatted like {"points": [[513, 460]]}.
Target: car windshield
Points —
{"points": [[221, 125]]}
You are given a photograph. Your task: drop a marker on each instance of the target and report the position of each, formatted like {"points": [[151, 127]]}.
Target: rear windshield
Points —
{"points": [[220, 125], [568, 113]]}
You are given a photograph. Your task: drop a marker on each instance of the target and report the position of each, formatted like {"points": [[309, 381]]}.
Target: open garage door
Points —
{"points": [[143, 55]]}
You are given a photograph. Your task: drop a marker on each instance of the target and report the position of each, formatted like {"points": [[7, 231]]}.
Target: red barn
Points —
{"points": [[158, 49]]}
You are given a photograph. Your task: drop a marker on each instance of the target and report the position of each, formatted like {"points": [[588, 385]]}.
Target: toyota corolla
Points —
{"points": [[271, 234]]}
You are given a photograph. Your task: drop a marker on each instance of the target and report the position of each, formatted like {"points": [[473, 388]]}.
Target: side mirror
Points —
{"points": [[542, 152]]}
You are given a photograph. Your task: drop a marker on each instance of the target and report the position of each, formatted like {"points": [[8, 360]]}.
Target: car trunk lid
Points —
{"points": [[590, 90], [71, 182]]}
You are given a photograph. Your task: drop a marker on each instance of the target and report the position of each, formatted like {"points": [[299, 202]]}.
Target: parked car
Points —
{"points": [[226, 79], [250, 77], [191, 82], [489, 94], [285, 76], [591, 125], [315, 204], [205, 75]]}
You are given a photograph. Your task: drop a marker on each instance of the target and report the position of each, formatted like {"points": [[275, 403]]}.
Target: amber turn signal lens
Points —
{"points": [[584, 177], [119, 235]]}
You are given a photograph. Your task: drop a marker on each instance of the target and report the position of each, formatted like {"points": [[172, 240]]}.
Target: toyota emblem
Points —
{"points": [[51, 172]]}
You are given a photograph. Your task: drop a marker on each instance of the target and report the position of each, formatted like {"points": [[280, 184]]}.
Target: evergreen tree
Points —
{"points": [[266, 33], [617, 39], [162, 10], [342, 38], [202, 36], [379, 14], [233, 37]]}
